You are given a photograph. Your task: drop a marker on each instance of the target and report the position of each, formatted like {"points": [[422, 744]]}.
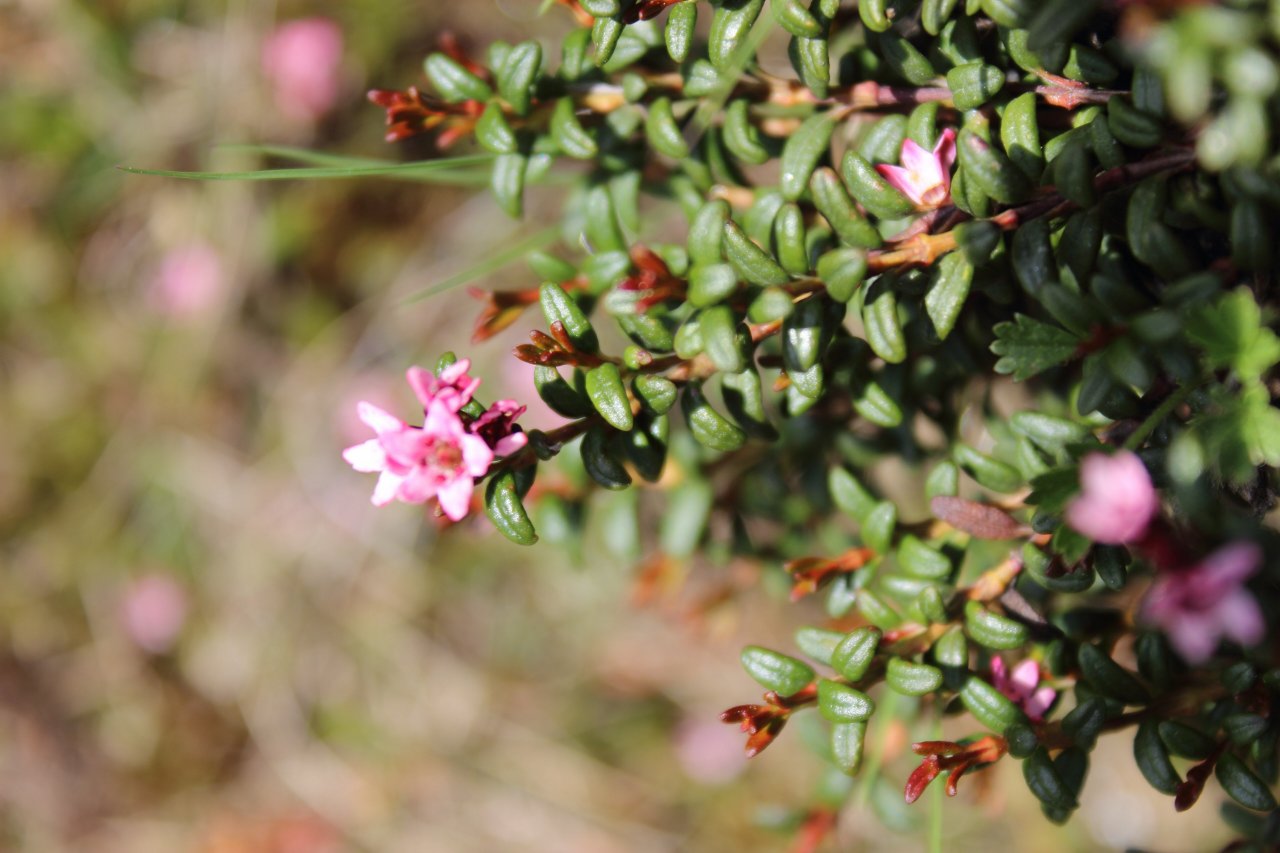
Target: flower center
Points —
{"points": [[444, 456]]}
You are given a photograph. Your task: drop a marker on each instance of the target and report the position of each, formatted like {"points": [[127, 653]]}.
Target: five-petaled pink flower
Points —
{"points": [[1198, 606], [443, 458], [1020, 686], [1116, 501], [924, 176]]}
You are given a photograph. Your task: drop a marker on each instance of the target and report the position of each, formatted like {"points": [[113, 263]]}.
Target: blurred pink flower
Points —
{"points": [[708, 752], [188, 281], [302, 59], [153, 610], [1198, 606], [1020, 687], [1117, 500], [924, 176], [439, 460]]}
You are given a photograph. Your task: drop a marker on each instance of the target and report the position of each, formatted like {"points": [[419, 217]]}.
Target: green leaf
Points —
{"points": [[518, 73], [601, 460], [800, 156], [688, 508], [1243, 785], [947, 295], [775, 671], [854, 654], [609, 396], [840, 703], [912, 679], [453, 81], [1152, 757], [818, 643], [1232, 335], [709, 427], [1028, 347], [503, 506]]}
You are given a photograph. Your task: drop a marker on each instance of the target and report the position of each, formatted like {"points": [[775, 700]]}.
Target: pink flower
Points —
{"points": [[453, 385], [439, 460], [455, 389], [1020, 687], [924, 176], [153, 610], [1197, 607], [443, 458], [1117, 500], [497, 427], [188, 281], [301, 59]]}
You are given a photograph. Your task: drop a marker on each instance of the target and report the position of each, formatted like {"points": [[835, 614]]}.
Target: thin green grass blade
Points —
{"points": [[491, 264], [406, 170], [306, 155]]}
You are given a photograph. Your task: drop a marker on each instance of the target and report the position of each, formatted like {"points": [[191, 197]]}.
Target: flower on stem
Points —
{"points": [[1020, 687], [924, 176], [410, 113], [808, 573], [438, 460], [453, 386], [444, 457], [1198, 606], [651, 284], [501, 309], [497, 427], [957, 758], [762, 723], [1116, 501]]}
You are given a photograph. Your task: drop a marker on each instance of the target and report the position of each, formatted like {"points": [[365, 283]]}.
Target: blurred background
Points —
{"points": [[209, 640]]}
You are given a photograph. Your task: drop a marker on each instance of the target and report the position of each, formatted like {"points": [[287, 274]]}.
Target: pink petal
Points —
{"points": [[998, 673], [1040, 702], [1163, 599], [455, 498], [1241, 617], [418, 487], [1193, 637], [422, 383], [922, 163], [381, 421], [387, 488], [1225, 569], [944, 151], [442, 421], [902, 180], [451, 374], [1117, 500], [510, 444], [1026, 676], [366, 457], [476, 455], [406, 447]]}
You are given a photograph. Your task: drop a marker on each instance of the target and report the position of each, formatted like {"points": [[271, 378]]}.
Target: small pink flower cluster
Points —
{"points": [[1195, 604], [443, 458], [1022, 687]]}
